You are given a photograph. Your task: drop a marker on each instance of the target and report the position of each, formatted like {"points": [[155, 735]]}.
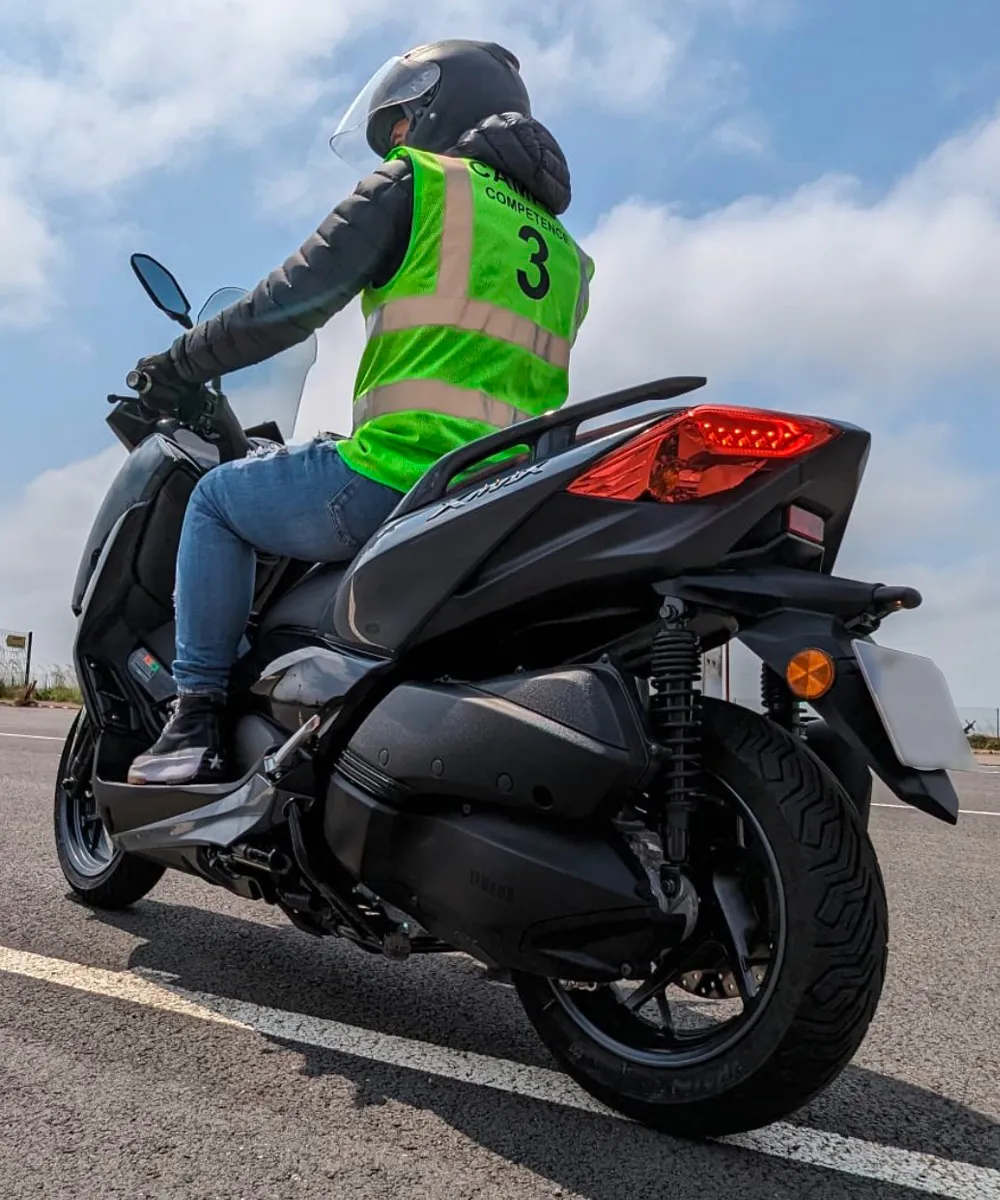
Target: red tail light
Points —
{"points": [[698, 453]]}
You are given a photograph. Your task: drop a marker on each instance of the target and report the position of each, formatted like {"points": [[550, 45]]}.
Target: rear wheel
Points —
{"points": [[95, 869], [771, 995]]}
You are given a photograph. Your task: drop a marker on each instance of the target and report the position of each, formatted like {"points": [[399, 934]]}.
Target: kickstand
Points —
{"points": [[349, 916]]}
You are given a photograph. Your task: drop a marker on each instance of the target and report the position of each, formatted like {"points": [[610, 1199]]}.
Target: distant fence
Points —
{"points": [[15, 658], [981, 720]]}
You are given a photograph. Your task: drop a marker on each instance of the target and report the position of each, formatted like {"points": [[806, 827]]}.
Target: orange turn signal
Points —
{"points": [[810, 674]]}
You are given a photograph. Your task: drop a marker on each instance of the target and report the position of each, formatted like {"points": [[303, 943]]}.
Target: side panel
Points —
{"points": [[556, 744], [415, 562], [126, 607], [315, 680], [124, 589], [518, 544], [138, 481]]}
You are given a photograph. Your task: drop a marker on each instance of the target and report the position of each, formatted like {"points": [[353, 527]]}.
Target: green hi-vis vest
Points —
{"points": [[474, 331]]}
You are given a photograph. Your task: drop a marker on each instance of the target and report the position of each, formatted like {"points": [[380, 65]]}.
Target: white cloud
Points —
{"points": [[891, 290], [95, 99], [919, 491], [42, 534], [27, 249]]}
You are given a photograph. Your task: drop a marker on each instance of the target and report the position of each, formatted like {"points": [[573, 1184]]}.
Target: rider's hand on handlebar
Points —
{"points": [[167, 388]]}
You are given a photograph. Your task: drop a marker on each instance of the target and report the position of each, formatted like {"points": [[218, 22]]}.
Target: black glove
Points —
{"points": [[168, 387]]}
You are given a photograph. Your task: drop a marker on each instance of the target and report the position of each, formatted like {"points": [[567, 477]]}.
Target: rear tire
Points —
{"points": [[827, 982], [100, 874]]}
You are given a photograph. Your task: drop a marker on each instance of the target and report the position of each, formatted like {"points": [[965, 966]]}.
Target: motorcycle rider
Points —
{"points": [[473, 294]]}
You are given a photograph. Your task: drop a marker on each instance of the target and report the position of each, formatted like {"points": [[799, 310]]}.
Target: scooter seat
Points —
{"points": [[309, 603]]}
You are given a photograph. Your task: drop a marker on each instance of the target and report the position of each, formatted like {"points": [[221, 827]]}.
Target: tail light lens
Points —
{"points": [[701, 452]]}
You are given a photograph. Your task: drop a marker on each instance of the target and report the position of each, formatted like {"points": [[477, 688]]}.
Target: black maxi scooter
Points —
{"points": [[487, 733]]}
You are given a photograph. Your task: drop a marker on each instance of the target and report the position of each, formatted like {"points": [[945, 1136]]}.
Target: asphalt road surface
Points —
{"points": [[199, 1047]]}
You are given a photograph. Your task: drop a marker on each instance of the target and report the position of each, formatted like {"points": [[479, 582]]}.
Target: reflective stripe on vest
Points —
{"points": [[430, 395], [473, 316]]}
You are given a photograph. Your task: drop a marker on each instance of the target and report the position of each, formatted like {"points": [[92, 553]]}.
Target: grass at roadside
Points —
{"points": [[57, 686], [59, 695]]}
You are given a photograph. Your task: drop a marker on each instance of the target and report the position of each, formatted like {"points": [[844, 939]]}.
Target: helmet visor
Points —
{"points": [[363, 137]]}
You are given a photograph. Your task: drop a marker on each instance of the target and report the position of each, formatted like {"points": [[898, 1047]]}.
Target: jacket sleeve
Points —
{"points": [[361, 243]]}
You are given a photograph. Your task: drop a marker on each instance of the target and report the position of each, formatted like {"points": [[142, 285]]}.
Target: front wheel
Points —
{"points": [[773, 992], [95, 869]]}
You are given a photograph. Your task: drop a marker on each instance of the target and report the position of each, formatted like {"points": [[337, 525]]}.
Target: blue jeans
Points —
{"points": [[303, 503]]}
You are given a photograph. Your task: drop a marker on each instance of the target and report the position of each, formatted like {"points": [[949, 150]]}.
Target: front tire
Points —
{"points": [[99, 873], [823, 983]]}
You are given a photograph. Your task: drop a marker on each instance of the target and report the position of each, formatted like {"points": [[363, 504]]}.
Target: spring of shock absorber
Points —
{"points": [[777, 702], [675, 715]]}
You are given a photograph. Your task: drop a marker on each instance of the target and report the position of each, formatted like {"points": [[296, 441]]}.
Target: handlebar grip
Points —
{"points": [[138, 381]]}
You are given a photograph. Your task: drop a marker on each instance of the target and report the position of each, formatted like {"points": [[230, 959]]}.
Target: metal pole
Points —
{"points": [[27, 661]]}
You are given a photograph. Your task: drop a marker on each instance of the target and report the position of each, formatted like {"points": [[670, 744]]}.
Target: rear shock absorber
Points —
{"points": [[676, 719], [777, 701]]}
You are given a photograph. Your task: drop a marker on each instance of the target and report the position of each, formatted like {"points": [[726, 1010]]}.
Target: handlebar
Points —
{"points": [[138, 381], [216, 420]]}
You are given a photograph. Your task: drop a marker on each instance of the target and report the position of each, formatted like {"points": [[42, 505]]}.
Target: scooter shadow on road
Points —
{"points": [[448, 1001]]}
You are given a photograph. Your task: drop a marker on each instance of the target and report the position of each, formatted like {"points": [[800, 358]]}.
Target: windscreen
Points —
{"points": [[271, 390]]}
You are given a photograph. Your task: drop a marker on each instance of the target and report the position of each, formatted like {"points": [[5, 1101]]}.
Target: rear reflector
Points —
{"points": [[699, 453], [810, 674], [806, 525]]}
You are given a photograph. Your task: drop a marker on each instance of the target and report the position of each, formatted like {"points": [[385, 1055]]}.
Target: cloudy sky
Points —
{"points": [[797, 198]]}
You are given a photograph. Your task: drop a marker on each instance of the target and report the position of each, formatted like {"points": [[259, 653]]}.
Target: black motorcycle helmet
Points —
{"points": [[443, 89]]}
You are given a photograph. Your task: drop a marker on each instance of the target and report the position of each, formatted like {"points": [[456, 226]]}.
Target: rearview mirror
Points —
{"points": [[162, 288]]}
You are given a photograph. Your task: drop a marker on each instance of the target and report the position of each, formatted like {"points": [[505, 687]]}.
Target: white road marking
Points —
{"points": [[800, 1144], [34, 737], [962, 812]]}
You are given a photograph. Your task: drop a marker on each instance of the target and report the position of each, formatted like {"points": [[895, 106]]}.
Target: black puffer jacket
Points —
{"points": [[360, 244]]}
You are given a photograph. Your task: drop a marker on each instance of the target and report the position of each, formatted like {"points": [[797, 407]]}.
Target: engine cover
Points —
{"points": [[566, 902], [559, 743]]}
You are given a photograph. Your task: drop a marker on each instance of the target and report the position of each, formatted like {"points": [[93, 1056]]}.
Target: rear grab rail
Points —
{"points": [[546, 435]]}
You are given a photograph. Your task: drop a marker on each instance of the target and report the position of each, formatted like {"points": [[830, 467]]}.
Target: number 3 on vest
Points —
{"points": [[538, 289]]}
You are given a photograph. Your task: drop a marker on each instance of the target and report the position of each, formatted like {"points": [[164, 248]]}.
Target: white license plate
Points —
{"points": [[915, 704]]}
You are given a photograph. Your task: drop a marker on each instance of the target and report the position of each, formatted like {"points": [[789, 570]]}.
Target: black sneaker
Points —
{"points": [[190, 748]]}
